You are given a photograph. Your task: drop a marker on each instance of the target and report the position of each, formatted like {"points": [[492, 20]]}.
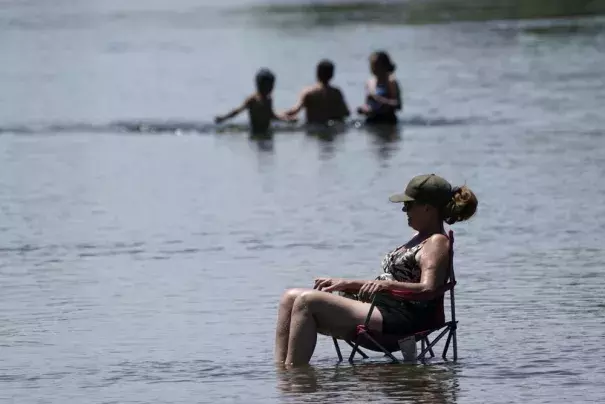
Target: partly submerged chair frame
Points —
{"points": [[389, 343]]}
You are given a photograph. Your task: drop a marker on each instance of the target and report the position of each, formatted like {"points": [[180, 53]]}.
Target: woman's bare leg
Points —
{"points": [[282, 332], [313, 310]]}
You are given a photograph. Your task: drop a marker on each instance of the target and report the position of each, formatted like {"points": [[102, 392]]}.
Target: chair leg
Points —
{"points": [[353, 352], [424, 341], [432, 344], [426, 346], [454, 344], [337, 349], [386, 352], [447, 342], [427, 342], [363, 355]]}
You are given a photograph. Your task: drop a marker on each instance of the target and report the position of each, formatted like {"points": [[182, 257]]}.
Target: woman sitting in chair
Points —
{"points": [[420, 265]]}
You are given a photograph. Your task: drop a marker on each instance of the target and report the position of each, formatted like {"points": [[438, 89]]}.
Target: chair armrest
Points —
{"points": [[420, 296]]}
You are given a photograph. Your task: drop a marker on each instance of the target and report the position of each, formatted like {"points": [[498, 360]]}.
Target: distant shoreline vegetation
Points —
{"points": [[329, 12]]}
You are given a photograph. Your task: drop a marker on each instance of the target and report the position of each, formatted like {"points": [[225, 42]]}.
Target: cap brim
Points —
{"points": [[400, 198]]}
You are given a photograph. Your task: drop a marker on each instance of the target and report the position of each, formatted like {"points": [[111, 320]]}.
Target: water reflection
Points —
{"points": [[262, 141], [371, 382], [330, 13], [327, 137], [385, 138]]}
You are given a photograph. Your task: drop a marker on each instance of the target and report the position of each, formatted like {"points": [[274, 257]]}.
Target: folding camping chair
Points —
{"points": [[389, 343]]}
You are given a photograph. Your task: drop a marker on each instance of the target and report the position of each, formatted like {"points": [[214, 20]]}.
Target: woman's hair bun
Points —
{"points": [[462, 206]]}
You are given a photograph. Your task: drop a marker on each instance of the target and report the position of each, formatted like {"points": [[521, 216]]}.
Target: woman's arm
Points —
{"points": [[434, 262], [338, 284], [394, 100]]}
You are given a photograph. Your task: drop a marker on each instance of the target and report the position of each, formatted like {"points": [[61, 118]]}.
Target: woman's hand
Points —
{"points": [[363, 110], [331, 284], [373, 96], [369, 289]]}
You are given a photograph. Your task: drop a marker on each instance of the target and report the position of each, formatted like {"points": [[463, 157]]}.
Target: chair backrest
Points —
{"points": [[450, 283], [452, 277]]}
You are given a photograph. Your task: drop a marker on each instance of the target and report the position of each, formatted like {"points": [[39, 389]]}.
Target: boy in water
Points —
{"points": [[322, 102], [259, 104]]}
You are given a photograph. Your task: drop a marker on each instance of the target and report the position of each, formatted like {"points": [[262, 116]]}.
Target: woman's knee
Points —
{"points": [[309, 300], [289, 296], [333, 316]]}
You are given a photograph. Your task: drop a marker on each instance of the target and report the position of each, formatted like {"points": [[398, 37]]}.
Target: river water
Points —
{"points": [[143, 251]]}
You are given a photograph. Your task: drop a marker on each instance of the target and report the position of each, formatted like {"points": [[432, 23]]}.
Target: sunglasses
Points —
{"points": [[407, 206]]}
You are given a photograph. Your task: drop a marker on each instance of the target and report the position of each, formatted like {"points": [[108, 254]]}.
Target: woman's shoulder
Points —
{"points": [[437, 242], [393, 81], [413, 241]]}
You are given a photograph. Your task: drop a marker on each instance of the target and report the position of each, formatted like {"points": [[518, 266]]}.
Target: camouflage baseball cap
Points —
{"points": [[428, 188]]}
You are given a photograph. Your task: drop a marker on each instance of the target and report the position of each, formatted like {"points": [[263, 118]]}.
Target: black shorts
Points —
{"points": [[402, 317]]}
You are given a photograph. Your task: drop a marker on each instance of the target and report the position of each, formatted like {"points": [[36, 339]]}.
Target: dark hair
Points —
{"points": [[325, 70], [383, 59], [264, 76], [462, 206]]}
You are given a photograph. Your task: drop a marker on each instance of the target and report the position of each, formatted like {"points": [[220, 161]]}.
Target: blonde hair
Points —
{"points": [[462, 206]]}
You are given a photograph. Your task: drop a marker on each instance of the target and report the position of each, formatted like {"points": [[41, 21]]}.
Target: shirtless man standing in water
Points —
{"points": [[321, 101]]}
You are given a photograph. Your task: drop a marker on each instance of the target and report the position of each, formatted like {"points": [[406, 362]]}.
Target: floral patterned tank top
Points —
{"points": [[401, 265]]}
